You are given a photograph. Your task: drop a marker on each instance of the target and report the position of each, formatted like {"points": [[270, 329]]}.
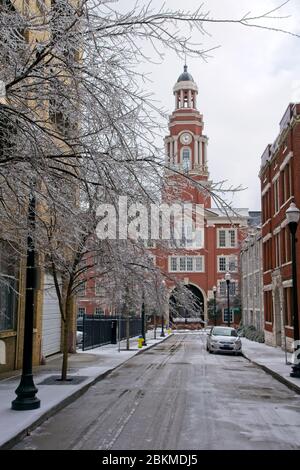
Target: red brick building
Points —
{"points": [[202, 266], [280, 185]]}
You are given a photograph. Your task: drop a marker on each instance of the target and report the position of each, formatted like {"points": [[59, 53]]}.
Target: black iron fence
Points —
{"points": [[98, 330]]}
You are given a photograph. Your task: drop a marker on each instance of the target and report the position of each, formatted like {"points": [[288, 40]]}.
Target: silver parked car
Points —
{"points": [[223, 339]]}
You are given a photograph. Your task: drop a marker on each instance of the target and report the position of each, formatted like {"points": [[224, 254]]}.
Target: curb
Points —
{"points": [[68, 400], [274, 374]]}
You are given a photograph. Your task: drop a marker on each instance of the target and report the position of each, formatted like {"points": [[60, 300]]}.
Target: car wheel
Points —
{"points": [[210, 351]]}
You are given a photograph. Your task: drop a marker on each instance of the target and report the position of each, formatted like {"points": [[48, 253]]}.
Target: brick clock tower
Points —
{"points": [[187, 180]]}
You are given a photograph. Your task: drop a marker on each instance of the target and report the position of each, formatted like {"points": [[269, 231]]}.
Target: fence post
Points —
{"points": [[114, 332], [93, 333], [83, 331]]}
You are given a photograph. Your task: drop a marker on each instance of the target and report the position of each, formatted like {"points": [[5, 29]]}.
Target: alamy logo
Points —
{"points": [[182, 222]]}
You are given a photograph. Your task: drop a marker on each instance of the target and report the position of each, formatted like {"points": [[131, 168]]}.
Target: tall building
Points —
{"points": [[48, 325], [280, 177], [202, 263], [252, 279]]}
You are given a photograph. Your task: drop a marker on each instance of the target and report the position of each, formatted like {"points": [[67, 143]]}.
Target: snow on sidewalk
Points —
{"points": [[101, 360], [273, 360]]}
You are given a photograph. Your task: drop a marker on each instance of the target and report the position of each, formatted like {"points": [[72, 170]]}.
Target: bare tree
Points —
{"points": [[77, 125]]}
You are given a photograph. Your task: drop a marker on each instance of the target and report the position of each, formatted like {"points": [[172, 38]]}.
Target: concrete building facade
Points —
{"points": [[252, 280]]}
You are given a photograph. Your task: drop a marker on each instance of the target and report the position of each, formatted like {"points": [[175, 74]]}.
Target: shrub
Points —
{"points": [[250, 332]]}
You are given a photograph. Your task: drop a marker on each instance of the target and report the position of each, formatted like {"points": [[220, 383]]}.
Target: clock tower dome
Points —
{"points": [[186, 145]]}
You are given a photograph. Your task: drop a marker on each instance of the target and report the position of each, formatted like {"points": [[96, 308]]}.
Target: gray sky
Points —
{"points": [[244, 88]]}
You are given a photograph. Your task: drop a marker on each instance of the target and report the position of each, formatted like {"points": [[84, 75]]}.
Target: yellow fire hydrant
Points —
{"points": [[140, 341]]}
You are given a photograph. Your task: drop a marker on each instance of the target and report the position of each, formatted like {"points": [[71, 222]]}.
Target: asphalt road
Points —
{"points": [[176, 396]]}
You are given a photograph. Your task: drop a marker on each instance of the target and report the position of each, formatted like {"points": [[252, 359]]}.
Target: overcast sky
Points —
{"points": [[244, 88]]}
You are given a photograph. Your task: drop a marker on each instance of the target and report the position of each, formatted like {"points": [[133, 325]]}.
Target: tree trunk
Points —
{"points": [[127, 333], [64, 369]]}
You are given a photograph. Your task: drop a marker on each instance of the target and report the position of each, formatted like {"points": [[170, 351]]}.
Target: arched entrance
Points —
{"points": [[186, 305]]}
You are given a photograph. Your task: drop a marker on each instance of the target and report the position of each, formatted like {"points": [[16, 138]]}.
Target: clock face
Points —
{"points": [[185, 138]]}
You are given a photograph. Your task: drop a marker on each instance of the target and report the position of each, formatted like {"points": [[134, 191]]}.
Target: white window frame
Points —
{"points": [[83, 309], [228, 232], [99, 308], [222, 281], [190, 158], [219, 258], [171, 260], [81, 289], [228, 260], [197, 240], [200, 259], [276, 195]]}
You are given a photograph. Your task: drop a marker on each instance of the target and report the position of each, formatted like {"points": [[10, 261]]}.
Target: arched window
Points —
{"points": [[186, 158]]}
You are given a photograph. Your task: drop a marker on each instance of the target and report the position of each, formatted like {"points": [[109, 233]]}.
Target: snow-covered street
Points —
{"points": [[177, 396]]}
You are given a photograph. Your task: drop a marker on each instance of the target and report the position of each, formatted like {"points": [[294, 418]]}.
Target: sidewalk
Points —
{"points": [[272, 360], [85, 367]]}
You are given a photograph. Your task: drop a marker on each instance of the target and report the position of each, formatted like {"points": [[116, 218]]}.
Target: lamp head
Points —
{"points": [[227, 277], [293, 214]]}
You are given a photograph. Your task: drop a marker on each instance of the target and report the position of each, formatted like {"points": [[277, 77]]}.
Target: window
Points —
{"points": [[227, 263], [232, 264], [222, 288], [99, 289], [233, 287], [268, 301], [287, 244], [286, 182], [81, 289], [277, 250], [80, 312], [227, 238], [186, 159], [256, 284], [152, 259], [276, 195], [266, 206], [99, 311], [8, 287], [149, 243], [288, 306], [192, 238], [173, 264], [232, 238], [222, 263], [182, 263], [222, 238], [187, 264], [199, 264]]}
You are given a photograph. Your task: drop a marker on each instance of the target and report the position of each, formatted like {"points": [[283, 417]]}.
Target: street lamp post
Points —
{"points": [[293, 217], [162, 334], [26, 391], [154, 321], [215, 306], [143, 322], [227, 279]]}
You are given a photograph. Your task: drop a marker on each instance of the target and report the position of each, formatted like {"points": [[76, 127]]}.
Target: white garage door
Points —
{"points": [[51, 319]]}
